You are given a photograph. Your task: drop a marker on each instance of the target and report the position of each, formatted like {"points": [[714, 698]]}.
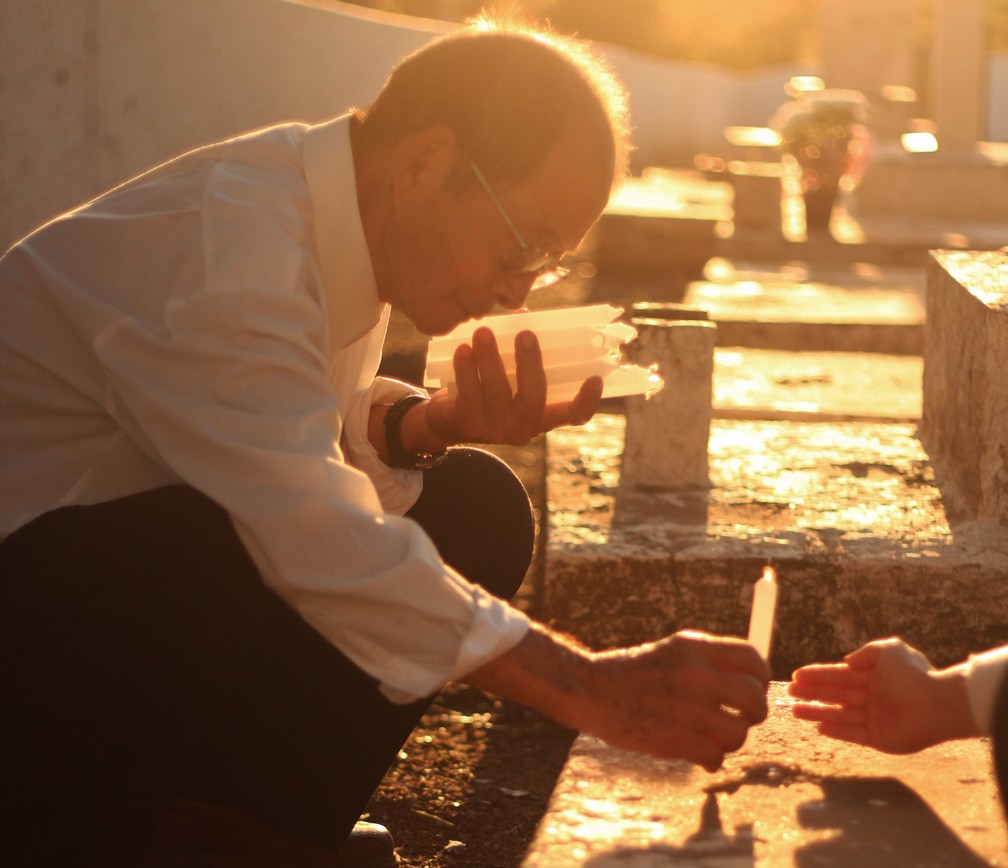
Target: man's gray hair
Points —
{"points": [[509, 91]]}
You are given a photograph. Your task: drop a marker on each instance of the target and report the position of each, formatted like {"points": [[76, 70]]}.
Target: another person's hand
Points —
{"points": [[691, 696], [484, 409], [885, 695]]}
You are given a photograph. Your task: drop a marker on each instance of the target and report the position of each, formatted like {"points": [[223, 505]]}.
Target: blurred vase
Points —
{"points": [[819, 202], [825, 140]]}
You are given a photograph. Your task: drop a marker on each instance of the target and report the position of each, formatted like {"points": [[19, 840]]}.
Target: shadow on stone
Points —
{"points": [[879, 821], [709, 842]]}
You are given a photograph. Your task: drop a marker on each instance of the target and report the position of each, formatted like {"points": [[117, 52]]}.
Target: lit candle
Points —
{"points": [[764, 605]]}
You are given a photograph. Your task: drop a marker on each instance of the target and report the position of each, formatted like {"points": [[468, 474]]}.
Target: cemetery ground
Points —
{"points": [[473, 780]]}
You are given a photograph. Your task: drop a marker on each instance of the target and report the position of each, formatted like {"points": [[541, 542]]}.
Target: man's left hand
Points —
{"points": [[485, 409]]}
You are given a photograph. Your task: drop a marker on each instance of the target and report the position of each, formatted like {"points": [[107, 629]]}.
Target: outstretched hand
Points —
{"points": [[486, 410], [885, 695], [691, 696]]}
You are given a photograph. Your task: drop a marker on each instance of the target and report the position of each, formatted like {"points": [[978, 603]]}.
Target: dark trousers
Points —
{"points": [[143, 659]]}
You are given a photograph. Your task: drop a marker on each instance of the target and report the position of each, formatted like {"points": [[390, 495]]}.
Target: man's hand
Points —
{"points": [[691, 696], [485, 410], [885, 695]]}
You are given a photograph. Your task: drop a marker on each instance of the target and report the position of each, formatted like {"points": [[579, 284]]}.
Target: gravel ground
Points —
{"points": [[472, 782]]}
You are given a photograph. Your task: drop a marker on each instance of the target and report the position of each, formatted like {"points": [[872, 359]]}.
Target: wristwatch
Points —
{"points": [[398, 456]]}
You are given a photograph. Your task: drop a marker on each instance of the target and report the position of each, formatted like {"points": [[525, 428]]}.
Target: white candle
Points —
{"points": [[576, 343], [764, 605], [505, 326]]}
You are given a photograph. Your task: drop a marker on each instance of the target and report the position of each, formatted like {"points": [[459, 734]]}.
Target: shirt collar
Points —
{"points": [[349, 288]]}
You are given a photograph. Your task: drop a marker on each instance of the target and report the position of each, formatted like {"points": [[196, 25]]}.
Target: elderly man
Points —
{"points": [[237, 564]]}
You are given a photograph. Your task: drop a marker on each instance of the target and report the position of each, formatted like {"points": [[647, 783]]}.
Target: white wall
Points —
{"points": [[679, 110], [94, 91], [997, 99]]}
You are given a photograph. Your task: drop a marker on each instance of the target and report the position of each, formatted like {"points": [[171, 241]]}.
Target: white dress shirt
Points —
{"points": [[216, 322]]}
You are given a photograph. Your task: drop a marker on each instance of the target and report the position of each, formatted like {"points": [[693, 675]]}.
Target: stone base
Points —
{"points": [[812, 315], [816, 386], [847, 512], [789, 797], [656, 233], [968, 185], [965, 421]]}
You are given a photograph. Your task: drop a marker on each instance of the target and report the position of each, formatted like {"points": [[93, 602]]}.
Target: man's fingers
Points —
{"points": [[700, 746], [492, 374], [729, 653], [530, 396], [715, 733], [586, 402], [746, 694], [730, 728], [466, 372], [574, 412]]}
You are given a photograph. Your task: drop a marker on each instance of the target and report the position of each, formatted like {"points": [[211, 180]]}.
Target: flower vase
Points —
{"points": [[819, 202]]}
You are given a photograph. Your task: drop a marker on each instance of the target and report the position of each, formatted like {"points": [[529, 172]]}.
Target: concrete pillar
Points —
{"points": [[868, 44], [965, 419], [666, 435], [959, 60]]}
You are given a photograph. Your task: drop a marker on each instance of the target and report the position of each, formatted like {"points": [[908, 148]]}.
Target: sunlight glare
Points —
{"points": [[919, 143]]}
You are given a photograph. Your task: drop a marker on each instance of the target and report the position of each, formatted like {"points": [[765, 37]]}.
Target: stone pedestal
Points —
{"points": [[957, 185], [756, 203], [813, 315], [869, 46], [959, 73], [789, 797], [656, 234], [666, 440], [965, 425], [848, 513]]}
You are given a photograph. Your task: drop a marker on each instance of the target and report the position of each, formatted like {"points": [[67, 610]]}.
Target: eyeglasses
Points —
{"points": [[545, 269]]}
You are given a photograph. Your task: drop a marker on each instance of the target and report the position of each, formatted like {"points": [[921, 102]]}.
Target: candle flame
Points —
{"points": [[769, 574]]}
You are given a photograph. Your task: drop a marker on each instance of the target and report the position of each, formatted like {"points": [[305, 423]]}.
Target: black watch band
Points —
{"points": [[398, 456]]}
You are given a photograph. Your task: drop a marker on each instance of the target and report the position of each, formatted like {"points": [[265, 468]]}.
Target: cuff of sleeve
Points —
{"points": [[397, 489], [496, 629], [984, 674]]}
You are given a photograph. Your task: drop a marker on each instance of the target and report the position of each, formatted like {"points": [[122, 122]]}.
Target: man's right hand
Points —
{"points": [[691, 696]]}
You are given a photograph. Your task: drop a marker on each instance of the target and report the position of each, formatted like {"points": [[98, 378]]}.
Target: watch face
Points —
{"points": [[425, 460]]}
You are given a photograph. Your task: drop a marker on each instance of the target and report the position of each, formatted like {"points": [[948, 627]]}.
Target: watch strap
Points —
{"points": [[398, 456]]}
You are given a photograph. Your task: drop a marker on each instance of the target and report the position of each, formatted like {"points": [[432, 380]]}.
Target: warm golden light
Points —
{"points": [[919, 143], [899, 93], [804, 84]]}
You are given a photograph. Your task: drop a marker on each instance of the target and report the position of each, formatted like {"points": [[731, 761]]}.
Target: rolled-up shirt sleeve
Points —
{"points": [[397, 489]]}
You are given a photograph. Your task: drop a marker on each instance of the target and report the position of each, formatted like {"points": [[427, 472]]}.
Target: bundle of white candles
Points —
{"points": [[576, 343]]}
